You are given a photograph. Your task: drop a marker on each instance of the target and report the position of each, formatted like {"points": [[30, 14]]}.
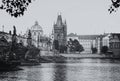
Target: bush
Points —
{"points": [[62, 49], [104, 49], [56, 44], [94, 50]]}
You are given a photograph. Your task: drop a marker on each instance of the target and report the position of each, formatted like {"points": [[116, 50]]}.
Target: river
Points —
{"points": [[76, 70]]}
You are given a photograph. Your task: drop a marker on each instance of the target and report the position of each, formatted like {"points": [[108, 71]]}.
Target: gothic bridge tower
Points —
{"points": [[60, 31]]}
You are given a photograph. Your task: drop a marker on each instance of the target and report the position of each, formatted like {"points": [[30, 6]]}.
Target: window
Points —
{"points": [[34, 33]]}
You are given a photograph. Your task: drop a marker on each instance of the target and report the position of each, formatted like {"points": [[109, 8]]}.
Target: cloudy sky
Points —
{"points": [[82, 16]]}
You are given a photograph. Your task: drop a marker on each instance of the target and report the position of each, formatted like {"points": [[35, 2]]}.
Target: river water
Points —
{"points": [[76, 70]]}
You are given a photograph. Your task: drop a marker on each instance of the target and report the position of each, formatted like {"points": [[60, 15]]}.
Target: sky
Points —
{"points": [[82, 16]]}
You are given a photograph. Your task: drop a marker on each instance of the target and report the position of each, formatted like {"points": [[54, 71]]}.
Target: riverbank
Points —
{"points": [[62, 58], [88, 56], [53, 59]]}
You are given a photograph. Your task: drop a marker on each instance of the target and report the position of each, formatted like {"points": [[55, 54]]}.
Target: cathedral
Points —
{"points": [[36, 34], [60, 31]]}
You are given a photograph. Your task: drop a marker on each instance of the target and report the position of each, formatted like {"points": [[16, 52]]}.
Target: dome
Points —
{"points": [[37, 27]]}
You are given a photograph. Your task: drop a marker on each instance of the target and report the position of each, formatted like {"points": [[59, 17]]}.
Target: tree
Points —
{"points": [[70, 45], [56, 44], [79, 48], [15, 7], [75, 46], [104, 49], [115, 4], [63, 48], [94, 50]]}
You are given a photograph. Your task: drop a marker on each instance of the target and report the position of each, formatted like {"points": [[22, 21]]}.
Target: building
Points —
{"points": [[36, 34], [115, 43], [72, 36], [105, 40], [60, 31], [88, 41]]}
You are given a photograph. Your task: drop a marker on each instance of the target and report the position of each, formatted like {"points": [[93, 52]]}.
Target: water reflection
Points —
{"points": [[79, 70], [60, 72], [46, 72], [94, 70]]}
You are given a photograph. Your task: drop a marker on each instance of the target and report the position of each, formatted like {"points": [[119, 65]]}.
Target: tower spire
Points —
{"points": [[3, 28], [65, 22], [59, 20]]}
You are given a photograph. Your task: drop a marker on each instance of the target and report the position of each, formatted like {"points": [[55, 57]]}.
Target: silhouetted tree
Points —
{"points": [[94, 50], [70, 45], [104, 49], [75, 46], [63, 48], [15, 7], [115, 4], [56, 44]]}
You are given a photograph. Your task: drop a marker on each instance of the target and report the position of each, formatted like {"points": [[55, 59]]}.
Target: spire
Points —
{"points": [[65, 22], [3, 28], [59, 19]]}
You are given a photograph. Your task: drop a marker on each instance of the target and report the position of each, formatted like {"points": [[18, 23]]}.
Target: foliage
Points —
{"points": [[15, 7], [70, 45], [94, 50], [63, 49], [104, 49], [32, 53], [56, 44], [75, 46], [114, 6], [20, 51], [4, 45]]}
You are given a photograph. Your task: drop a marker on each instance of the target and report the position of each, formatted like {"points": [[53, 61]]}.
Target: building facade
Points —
{"points": [[115, 43], [36, 34], [105, 40], [60, 31], [88, 41]]}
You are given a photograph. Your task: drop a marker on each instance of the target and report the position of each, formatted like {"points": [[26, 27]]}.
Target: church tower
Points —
{"points": [[60, 31]]}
